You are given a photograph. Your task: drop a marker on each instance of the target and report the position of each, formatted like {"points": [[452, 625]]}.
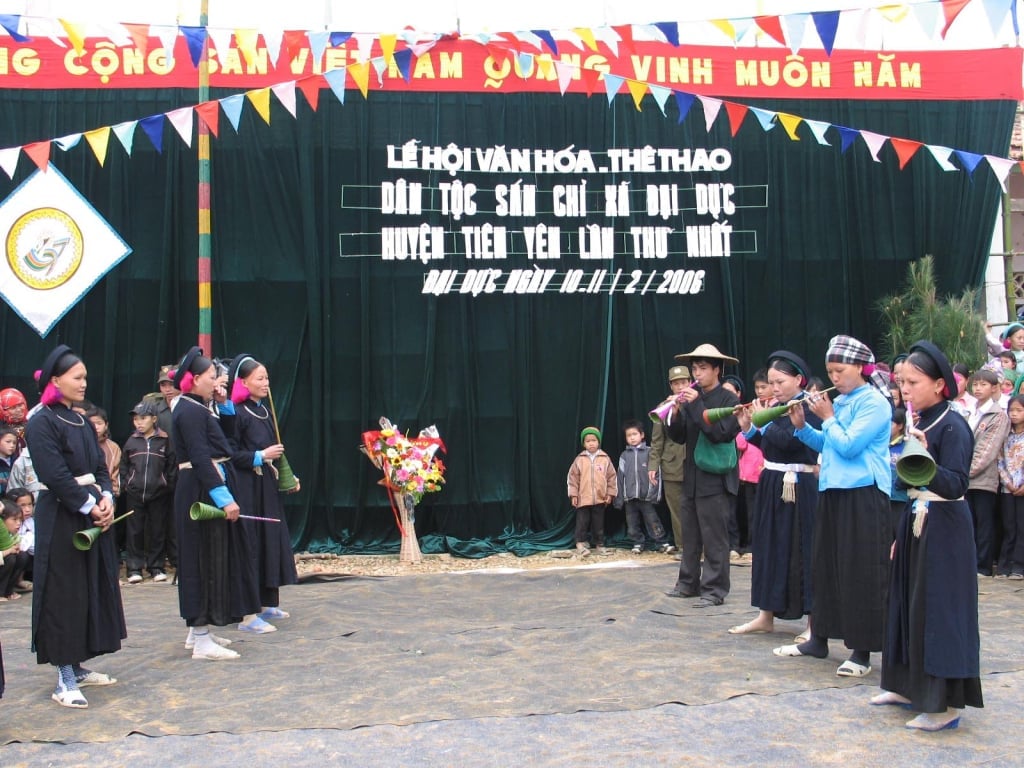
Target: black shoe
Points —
{"points": [[707, 602], [680, 593]]}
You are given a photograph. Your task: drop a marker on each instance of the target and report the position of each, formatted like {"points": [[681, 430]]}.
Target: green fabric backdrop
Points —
{"points": [[509, 380]]}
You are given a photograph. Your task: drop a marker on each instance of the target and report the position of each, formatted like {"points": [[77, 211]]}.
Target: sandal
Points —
{"points": [[852, 669], [70, 697]]}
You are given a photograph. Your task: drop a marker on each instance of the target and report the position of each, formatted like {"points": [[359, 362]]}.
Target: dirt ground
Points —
{"points": [[312, 565]]}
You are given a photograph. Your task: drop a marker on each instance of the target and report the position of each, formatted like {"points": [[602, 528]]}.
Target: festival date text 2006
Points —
{"points": [[474, 282]]}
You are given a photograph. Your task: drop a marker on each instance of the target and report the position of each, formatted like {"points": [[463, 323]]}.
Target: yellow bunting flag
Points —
{"points": [[76, 34], [98, 140], [790, 123], [637, 89], [387, 46], [361, 76], [893, 13], [726, 26], [260, 99], [246, 40], [587, 36], [545, 66]]}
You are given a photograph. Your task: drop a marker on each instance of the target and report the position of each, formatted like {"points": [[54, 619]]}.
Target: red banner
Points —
{"points": [[510, 67]]}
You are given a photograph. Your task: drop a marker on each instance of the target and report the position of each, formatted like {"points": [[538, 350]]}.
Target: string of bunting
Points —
{"points": [[183, 119], [935, 17]]}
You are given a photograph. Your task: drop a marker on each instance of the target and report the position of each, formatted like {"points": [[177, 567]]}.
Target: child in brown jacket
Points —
{"points": [[592, 486]]}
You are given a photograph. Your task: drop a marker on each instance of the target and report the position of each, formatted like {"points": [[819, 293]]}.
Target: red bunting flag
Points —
{"points": [[950, 10], [39, 152], [736, 113], [771, 26], [625, 33], [310, 87], [140, 36], [294, 41], [590, 79], [209, 113], [905, 149]]}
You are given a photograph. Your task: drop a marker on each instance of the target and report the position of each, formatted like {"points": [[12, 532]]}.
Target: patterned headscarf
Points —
{"points": [[850, 351]]}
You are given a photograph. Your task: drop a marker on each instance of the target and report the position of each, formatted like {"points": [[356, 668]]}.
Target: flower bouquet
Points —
{"points": [[411, 469]]}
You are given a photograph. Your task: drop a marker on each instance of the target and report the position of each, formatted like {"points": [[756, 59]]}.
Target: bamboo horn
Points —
{"points": [[200, 511], [766, 415], [83, 540], [286, 480]]}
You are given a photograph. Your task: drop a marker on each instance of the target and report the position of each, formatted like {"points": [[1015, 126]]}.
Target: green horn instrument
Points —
{"points": [[286, 480], [715, 415], [767, 415], [83, 540], [915, 466], [199, 511]]}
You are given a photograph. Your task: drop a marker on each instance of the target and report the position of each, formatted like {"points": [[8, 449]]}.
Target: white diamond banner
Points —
{"points": [[56, 247]]}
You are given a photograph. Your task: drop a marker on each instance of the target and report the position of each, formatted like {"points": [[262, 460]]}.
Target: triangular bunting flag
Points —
{"points": [[950, 10], [273, 39], [76, 35], [380, 67], [827, 24], [772, 27], [11, 22], [525, 61], [153, 127], [360, 76], [140, 36], [39, 153], [336, 79], [168, 38], [637, 89], [209, 113], [818, 128], [260, 99], [941, 155], [403, 60], [742, 27], [711, 109], [790, 123], [927, 15], [294, 41], [612, 84], [182, 119], [310, 87], [683, 101], [565, 72], [875, 142], [421, 48], [795, 27], [545, 65], [64, 143], [969, 159], [221, 38], [364, 45], [548, 39], [905, 149], [670, 29], [586, 34], [727, 28], [625, 33], [195, 38], [590, 79], [1001, 167], [98, 139], [9, 160], [996, 11], [660, 94], [232, 106], [735, 113], [125, 133], [317, 46], [387, 46], [847, 136], [765, 117], [246, 40], [339, 38], [893, 13]]}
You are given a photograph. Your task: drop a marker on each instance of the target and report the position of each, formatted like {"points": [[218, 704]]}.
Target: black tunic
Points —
{"points": [[76, 600], [932, 645], [217, 581], [781, 574], [257, 494]]}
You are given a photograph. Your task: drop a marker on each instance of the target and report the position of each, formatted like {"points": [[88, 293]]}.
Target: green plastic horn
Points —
{"points": [[84, 539], [715, 415], [286, 480], [915, 466], [767, 415]]}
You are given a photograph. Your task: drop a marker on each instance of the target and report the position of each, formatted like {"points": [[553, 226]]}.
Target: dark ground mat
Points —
{"points": [[467, 657]]}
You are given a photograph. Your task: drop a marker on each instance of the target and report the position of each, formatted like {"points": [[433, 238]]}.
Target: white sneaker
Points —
{"points": [[160, 577], [135, 578], [190, 641], [213, 652]]}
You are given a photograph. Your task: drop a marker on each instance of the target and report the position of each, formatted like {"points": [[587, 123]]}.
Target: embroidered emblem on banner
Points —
{"points": [[56, 247]]}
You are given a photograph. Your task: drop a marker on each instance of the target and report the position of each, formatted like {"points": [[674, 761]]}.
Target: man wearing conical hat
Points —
{"points": [[710, 477]]}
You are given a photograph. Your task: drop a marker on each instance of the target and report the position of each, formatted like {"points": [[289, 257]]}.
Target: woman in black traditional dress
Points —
{"points": [[256, 448], [76, 603], [216, 572], [930, 661], [787, 495]]}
